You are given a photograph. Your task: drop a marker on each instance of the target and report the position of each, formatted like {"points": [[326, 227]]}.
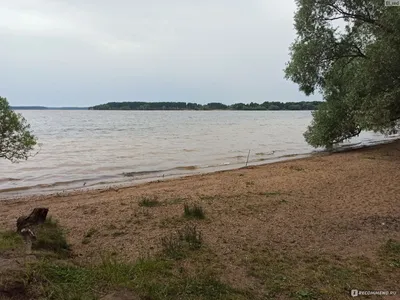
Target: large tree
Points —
{"points": [[349, 51], [16, 140]]}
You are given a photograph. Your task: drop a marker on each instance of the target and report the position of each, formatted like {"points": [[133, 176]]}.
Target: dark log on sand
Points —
{"points": [[25, 226], [37, 216]]}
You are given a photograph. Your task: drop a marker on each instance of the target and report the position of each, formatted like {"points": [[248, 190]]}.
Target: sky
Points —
{"points": [[88, 52]]}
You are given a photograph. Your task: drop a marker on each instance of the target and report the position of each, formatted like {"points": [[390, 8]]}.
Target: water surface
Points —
{"points": [[96, 148]]}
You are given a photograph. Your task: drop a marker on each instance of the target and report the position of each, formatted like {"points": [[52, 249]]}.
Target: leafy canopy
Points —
{"points": [[16, 141], [349, 51]]}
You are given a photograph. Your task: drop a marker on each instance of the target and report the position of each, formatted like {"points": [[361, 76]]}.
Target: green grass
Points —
{"points": [[311, 277], [51, 237], [391, 253], [149, 202], [152, 278], [10, 240], [177, 245], [194, 211]]}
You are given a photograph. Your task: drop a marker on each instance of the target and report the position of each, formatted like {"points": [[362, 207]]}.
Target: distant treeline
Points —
{"points": [[210, 106], [46, 108]]}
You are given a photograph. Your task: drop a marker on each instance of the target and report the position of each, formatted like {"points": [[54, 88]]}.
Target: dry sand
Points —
{"points": [[344, 204]]}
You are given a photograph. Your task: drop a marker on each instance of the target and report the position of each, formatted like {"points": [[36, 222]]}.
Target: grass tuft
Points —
{"points": [[194, 211], [191, 236], [175, 245], [149, 202], [51, 237], [150, 278]]}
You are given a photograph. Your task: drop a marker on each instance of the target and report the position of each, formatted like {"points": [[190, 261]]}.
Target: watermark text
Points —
{"points": [[392, 2], [356, 293]]}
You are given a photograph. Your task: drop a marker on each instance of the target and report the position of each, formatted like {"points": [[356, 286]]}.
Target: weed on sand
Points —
{"points": [[194, 211]]}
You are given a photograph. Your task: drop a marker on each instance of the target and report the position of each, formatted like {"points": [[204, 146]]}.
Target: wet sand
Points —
{"points": [[344, 204]]}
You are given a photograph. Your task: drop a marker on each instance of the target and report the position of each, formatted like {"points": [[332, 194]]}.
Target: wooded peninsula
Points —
{"points": [[210, 106]]}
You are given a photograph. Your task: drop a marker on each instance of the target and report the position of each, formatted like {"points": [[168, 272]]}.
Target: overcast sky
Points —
{"points": [[87, 52]]}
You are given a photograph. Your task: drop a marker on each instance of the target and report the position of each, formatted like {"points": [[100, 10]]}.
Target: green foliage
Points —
{"points": [[147, 278], [193, 211], [210, 106], [51, 237], [355, 66], [16, 140], [10, 240]]}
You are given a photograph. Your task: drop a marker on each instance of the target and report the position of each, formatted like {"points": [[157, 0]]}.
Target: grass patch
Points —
{"points": [[177, 244], [149, 202], [10, 240], [194, 211], [391, 253], [146, 202], [311, 277], [152, 278], [51, 237]]}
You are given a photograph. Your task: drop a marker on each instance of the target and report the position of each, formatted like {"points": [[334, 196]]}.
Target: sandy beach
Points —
{"points": [[342, 206]]}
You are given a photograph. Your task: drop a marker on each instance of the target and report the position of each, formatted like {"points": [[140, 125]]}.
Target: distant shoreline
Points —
{"points": [[265, 106], [47, 108], [187, 106]]}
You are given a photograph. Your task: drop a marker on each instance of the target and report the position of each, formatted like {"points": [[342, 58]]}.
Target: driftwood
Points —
{"points": [[26, 224]]}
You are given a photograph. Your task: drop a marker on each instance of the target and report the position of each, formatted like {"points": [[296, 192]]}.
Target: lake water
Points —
{"points": [[86, 149]]}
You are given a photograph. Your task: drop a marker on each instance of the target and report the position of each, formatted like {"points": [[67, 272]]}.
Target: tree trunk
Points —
{"points": [[37, 216]]}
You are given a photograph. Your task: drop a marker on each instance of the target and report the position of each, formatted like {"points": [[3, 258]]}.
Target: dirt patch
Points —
{"points": [[14, 290]]}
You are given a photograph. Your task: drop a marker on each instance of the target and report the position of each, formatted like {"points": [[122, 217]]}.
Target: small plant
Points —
{"points": [[191, 236], [149, 202], [193, 211], [174, 245]]}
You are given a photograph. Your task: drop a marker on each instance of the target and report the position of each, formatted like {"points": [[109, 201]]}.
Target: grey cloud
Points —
{"points": [[87, 52]]}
